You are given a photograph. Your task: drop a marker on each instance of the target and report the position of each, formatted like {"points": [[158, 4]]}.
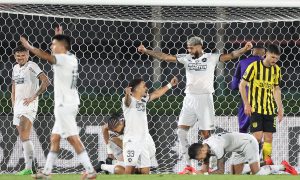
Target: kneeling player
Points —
{"points": [[244, 148], [116, 125]]}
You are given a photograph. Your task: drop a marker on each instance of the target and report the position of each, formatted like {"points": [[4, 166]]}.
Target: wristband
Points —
{"points": [[169, 85]]}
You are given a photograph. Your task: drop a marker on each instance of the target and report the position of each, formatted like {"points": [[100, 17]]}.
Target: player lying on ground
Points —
{"points": [[138, 144], [244, 148], [24, 97], [66, 101], [115, 125], [198, 105]]}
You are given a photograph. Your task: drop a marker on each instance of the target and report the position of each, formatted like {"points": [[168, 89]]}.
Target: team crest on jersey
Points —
{"points": [[204, 59], [254, 124], [140, 106]]}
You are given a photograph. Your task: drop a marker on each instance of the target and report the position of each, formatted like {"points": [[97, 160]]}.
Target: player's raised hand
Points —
{"points": [[142, 49], [58, 30], [27, 101], [25, 43], [280, 114], [248, 109], [248, 45], [174, 81], [128, 90]]}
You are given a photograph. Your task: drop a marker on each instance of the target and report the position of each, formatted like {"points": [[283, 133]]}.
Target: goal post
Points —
{"points": [[105, 37]]}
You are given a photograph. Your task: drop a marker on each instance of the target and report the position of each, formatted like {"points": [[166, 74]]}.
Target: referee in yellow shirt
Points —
{"points": [[263, 78]]}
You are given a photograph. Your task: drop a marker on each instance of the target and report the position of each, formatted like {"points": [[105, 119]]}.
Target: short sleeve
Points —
{"points": [[181, 58], [36, 70], [249, 73], [60, 59], [215, 58], [278, 76]]}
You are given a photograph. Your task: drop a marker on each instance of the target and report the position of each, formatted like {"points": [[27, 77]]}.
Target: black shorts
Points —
{"points": [[261, 122]]}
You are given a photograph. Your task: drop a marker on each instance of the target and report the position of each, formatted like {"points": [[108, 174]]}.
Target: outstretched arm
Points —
{"points": [[237, 53], [157, 55], [161, 91], [38, 52]]}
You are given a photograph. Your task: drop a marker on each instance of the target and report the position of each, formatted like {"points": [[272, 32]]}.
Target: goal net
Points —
{"points": [[106, 38]]}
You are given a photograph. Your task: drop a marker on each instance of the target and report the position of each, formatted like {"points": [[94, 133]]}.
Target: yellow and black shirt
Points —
{"points": [[262, 81]]}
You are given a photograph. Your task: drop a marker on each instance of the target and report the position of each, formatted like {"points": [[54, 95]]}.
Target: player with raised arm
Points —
{"points": [[198, 103], [138, 144], [66, 102], [263, 79], [24, 97], [244, 148], [257, 54]]}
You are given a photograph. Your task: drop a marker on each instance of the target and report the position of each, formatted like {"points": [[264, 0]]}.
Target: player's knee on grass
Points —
{"points": [[145, 170], [237, 169], [119, 169], [129, 169]]}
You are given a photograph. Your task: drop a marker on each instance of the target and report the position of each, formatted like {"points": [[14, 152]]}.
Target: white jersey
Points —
{"points": [[199, 72], [26, 85], [65, 79], [222, 143], [136, 123]]}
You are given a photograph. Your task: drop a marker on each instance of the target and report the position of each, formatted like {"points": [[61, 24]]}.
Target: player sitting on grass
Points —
{"points": [[244, 148]]}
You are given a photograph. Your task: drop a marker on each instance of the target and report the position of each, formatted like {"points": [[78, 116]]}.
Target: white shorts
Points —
{"points": [[138, 155], [198, 108], [250, 154], [65, 121], [30, 114]]}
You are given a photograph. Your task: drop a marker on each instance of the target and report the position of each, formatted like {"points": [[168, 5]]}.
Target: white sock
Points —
{"points": [[28, 153], [265, 170], [276, 168], [108, 167], [246, 169], [184, 144], [52, 156], [86, 162]]}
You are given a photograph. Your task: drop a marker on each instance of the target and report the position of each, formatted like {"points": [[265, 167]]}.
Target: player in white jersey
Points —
{"points": [[244, 149], [66, 101], [25, 92], [138, 144], [198, 103]]}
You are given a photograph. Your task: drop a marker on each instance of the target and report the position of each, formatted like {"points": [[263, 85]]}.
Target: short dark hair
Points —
{"points": [[65, 39], [114, 119], [273, 48], [194, 149], [20, 48], [259, 46], [134, 83]]}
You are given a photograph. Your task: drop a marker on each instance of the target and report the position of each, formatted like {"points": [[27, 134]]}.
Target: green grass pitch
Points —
{"points": [[160, 177]]}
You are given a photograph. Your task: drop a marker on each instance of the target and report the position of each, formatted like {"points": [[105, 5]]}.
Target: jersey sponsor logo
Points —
{"points": [[265, 84], [19, 80], [140, 106], [197, 67], [30, 69]]}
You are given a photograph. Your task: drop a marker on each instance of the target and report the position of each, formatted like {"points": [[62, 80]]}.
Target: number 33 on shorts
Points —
{"points": [[130, 155]]}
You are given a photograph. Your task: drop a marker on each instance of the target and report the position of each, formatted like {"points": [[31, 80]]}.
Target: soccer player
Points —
{"points": [[138, 144], [66, 101], [24, 97], [258, 53], [198, 103], [263, 79], [244, 148]]}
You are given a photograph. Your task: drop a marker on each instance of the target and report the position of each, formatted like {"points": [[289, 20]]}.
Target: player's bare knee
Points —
{"points": [[119, 170], [268, 137], [145, 170]]}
